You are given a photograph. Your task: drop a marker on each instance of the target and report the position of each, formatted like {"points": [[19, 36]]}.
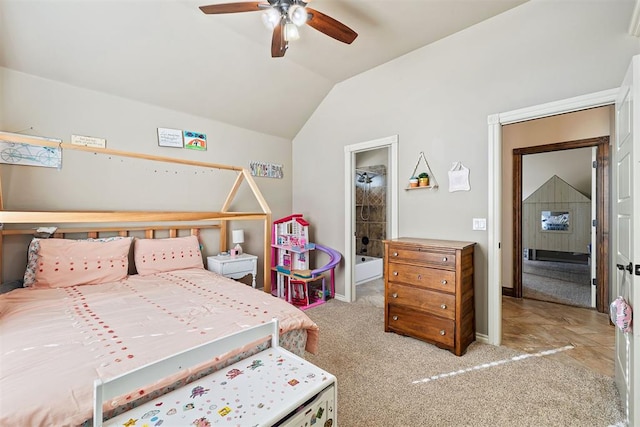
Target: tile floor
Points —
{"points": [[534, 326]]}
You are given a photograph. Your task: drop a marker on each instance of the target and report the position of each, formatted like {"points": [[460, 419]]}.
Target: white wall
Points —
{"points": [[572, 166], [437, 99], [88, 181]]}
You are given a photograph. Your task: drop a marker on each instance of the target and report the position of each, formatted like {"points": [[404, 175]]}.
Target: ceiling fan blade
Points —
{"points": [[278, 43], [329, 26], [251, 6]]}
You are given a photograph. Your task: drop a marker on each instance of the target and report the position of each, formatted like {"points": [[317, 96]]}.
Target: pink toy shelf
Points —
{"points": [[295, 281]]}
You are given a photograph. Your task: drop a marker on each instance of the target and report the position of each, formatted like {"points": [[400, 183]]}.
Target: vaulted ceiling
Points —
{"points": [[170, 54]]}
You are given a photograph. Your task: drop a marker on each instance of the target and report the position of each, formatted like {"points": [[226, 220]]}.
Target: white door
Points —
{"points": [[626, 189], [592, 252]]}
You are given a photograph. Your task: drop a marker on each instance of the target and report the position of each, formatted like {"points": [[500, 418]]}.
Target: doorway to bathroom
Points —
{"points": [[370, 213], [370, 187]]}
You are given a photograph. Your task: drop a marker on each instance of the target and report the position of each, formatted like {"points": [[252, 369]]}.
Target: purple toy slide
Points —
{"points": [[331, 265]]}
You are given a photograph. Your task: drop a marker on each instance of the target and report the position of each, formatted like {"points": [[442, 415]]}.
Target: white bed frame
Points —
{"points": [[118, 386]]}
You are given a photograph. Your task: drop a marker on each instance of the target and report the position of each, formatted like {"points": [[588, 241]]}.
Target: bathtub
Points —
{"points": [[367, 268]]}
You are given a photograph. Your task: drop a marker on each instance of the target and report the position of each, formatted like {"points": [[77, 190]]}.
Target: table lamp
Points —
{"points": [[237, 236]]}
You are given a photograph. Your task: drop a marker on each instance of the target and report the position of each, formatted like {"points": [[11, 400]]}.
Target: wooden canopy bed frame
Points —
{"points": [[217, 219]]}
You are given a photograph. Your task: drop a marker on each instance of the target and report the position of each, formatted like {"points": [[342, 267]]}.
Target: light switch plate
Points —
{"points": [[479, 223]]}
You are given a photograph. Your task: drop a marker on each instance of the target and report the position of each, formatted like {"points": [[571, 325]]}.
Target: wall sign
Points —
{"points": [[266, 170], [15, 153], [170, 137], [88, 141]]}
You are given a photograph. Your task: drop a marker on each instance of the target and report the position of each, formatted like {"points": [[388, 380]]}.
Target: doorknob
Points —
{"points": [[628, 267]]}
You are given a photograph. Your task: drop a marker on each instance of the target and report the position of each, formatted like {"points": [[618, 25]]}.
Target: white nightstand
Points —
{"points": [[235, 267]]}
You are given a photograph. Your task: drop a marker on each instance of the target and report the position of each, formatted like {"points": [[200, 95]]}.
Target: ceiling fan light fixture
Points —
{"points": [[291, 32], [298, 15], [283, 17], [271, 18]]}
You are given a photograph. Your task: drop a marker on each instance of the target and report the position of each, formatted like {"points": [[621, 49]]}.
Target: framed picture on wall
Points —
{"points": [[170, 138], [195, 140], [555, 221]]}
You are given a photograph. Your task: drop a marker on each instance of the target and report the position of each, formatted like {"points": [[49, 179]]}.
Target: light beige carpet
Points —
{"points": [[371, 293], [377, 374]]}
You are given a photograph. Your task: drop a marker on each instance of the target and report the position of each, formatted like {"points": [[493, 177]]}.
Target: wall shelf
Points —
{"points": [[433, 183], [428, 187]]}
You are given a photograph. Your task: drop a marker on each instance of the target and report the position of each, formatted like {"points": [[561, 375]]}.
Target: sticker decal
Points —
{"points": [[224, 411], [233, 373], [255, 365], [201, 422], [198, 391], [150, 414]]}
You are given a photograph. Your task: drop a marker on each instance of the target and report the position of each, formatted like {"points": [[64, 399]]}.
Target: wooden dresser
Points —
{"points": [[429, 291]]}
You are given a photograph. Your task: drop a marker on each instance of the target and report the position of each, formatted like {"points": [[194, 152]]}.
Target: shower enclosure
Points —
{"points": [[371, 221]]}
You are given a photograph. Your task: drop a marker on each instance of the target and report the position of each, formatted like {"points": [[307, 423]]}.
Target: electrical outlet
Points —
{"points": [[479, 223]]}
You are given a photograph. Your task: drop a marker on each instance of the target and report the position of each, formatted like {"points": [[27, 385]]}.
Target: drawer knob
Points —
{"points": [[395, 254], [442, 332], [395, 317], [443, 306], [419, 276], [444, 282], [394, 295], [444, 259], [395, 273]]}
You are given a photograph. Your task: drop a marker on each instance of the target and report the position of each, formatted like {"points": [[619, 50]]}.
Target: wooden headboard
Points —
{"points": [[89, 222]]}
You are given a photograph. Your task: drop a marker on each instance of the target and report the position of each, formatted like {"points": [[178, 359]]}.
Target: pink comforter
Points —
{"points": [[55, 342]]}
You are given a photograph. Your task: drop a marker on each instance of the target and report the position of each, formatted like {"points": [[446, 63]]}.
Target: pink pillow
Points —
{"points": [[159, 255], [63, 262], [32, 257]]}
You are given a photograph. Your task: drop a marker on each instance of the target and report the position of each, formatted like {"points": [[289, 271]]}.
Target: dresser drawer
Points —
{"points": [[429, 292], [438, 303], [418, 324], [418, 255], [424, 277]]}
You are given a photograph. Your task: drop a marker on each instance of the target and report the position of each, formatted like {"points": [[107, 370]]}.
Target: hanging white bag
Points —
{"points": [[458, 178]]}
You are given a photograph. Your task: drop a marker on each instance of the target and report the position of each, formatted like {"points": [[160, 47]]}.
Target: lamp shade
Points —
{"points": [[271, 18], [291, 32], [237, 236], [298, 15]]}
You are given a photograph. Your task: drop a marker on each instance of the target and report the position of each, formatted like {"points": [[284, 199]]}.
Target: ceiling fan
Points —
{"points": [[284, 17]]}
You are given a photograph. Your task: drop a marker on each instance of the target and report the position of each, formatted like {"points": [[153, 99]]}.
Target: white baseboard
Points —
{"points": [[483, 338], [341, 298]]}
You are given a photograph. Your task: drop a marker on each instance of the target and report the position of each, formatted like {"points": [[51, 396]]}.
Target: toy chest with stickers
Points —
{"points": [[271, 388]]}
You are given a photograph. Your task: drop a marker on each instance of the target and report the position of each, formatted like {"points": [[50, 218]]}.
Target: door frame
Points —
{"points": [[602, 212], [391, 143], [494, 220]]}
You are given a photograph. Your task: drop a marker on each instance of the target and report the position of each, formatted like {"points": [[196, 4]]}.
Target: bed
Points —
{"points": [[97, 307]]}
